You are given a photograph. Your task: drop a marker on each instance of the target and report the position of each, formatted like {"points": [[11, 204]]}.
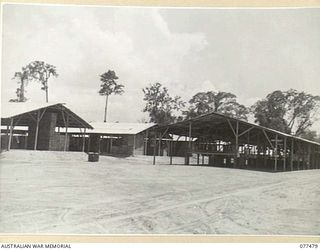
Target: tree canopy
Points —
{"points": [[289, 111], [109, 86], [220, 102], [41, 71], [23, 77], [162, 107]]}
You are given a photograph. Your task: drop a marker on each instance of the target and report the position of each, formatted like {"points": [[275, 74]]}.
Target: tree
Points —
{"points": [[42, 71], [270, 111], [302, 109], [23, 77], [220, 102], [289, 111], [109, 86], [162, 107]]}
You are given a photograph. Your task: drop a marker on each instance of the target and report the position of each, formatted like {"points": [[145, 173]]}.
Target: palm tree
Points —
{"points": [[109, 86]]}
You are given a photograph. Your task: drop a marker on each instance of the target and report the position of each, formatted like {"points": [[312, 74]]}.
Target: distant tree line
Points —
{"points": [[290, 111]]}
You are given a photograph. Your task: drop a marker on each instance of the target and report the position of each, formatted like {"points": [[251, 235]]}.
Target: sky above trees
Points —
{"points": [[248, 52]]}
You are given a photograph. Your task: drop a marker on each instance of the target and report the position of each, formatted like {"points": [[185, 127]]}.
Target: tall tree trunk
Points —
{"points": [[47, 94], [21, 97], [105, 109]]}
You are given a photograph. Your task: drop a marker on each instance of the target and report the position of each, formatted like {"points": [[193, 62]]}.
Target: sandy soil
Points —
{"points": [[43, 192]]}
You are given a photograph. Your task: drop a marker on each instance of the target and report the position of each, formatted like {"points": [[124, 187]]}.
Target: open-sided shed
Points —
{"points": [[231, 142], [39, 123]]}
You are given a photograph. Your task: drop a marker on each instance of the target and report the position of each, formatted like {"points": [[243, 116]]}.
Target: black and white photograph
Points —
{"points": [[150, 120]]}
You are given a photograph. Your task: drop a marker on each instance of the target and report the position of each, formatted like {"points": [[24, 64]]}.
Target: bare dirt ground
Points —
{"points": [[47, 192]]}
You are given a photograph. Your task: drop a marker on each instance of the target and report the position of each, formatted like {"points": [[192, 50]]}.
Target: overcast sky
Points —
{"points": [[249, 52]]}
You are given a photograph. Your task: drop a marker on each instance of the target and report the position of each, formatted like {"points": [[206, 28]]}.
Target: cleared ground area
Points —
{"points": [[56, 192]]}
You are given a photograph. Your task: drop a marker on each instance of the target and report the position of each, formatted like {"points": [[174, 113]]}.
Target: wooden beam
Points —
{"points": [[284, 154], [276, 155], [66, 133], [171, 151], [164, 133], [159, 146], [63, 109], [291, 153], [83, 139], [190, 136], [10, 136], [89, 142], [264, 132], [309, 156], [146, 142], [234, 132], [154, 148], [303, 157], [37, 131], [246, 131], [237, 155], [42, 114], [32, 117], [134, 145]]}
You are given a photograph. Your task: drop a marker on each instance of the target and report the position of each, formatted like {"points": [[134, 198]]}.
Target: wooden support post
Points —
{"points": [[309, 156], [134, 145], [171, 151], [291, 154], [154, 148], [237, 156], [202, 159], [89, 142], [146, 143], [284, 153], [303, 158], [159, 145], [66, 133], [198, 159], [190, 136], [111, 144], [187, 159], [7, 132], [83, 139], [10, 135], [276, 155], [37, 131]]}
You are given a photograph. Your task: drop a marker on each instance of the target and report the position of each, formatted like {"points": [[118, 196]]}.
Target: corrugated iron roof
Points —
{"points": [[113, 128], [119, 128], [18, 109], [214, 115], [11, 109]]}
